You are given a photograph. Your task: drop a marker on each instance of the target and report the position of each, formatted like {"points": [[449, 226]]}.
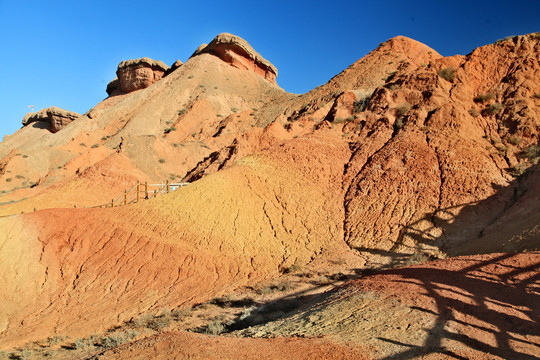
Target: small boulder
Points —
{"points": [[113, 88], [174, 66]]}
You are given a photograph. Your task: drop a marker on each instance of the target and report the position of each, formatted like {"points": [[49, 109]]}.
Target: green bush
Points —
{"points": [[493, 109], [403, 109], [448, 73], [360, 105], [168, 130], [95, 146], [473, 112], [483, 97], [181, 112], [161, 161], [215, 328]]}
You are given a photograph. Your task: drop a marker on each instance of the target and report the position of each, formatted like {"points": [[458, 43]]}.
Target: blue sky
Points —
{"points": [[63, 53]]}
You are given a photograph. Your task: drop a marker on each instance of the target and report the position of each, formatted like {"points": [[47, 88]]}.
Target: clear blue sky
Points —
{"points": [[63, 53]]}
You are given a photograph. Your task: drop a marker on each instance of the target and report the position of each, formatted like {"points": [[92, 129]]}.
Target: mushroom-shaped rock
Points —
{"points": [[139, 73], [60, 118], [238, 53], [56, 117]]}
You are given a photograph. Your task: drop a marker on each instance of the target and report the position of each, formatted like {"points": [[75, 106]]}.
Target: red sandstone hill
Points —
{"points": [[404, 156]]}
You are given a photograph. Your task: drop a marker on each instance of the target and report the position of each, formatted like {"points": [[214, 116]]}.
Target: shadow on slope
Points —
{"points": [[505, 222], [491, 306]]}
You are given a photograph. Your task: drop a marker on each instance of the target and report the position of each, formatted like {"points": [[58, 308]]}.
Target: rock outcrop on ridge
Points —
{"points": [[137, 74], [238, 53], [56, 117]]}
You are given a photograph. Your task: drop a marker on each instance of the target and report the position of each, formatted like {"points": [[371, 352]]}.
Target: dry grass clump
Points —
{"points": [[448, 73], [481, 98]]}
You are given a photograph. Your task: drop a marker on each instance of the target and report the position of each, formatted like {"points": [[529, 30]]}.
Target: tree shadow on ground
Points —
{"points": [[492, 306], [468, 228]]}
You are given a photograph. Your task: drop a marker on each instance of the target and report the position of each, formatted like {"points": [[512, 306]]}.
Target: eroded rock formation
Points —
{"points": [[238, 53], [56, 117], [137, 74]]}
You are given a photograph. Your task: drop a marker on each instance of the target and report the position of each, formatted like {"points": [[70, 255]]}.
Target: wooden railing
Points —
{"points": [[141, 191]]}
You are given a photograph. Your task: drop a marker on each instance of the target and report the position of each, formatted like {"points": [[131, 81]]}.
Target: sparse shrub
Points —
{"points": [[292, 269], [234, 109], [481, 98], [114, 340], [398, 124], [403, 109], [360, 105], [83, 144], [8, 180], [103, 138], [80, 343], [142, 320], [181, 112], [215, 328], [279, 287], [448, 73], [518, 169], [473, 112], [176, 144], [514, 140], [25, 156], [493, 109], [158, 323], [161, 161], [19, 177], [532, 153], [202, 86], [339, 120], [95, 146], [190, 77], [168, 130], [416, 258], [181, 314]]}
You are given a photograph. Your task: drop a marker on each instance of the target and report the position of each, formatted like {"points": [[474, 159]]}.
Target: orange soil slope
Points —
{"points": [[177, 345], [100, 267]]}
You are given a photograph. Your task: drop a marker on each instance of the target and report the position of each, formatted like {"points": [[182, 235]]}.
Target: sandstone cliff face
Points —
{"points": [[238, 53], [138, 74], [56, 117]]}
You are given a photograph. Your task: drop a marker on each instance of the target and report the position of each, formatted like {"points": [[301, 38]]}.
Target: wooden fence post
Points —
{"points": [[125, 197], [112, 203], [167, 186], [146, 189], [138, 189]]}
